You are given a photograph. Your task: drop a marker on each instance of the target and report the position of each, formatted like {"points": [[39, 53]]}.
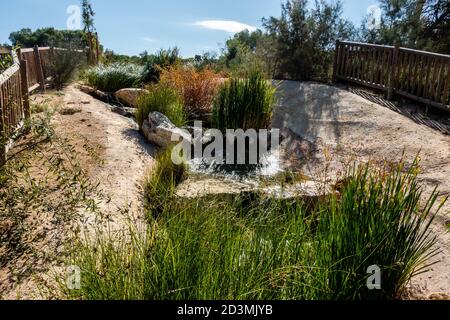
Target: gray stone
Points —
{"points": [[126, 112], [159, 130]]}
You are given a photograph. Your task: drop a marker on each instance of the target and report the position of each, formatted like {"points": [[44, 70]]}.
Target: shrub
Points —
{"points": [[267, 248], [63, 66], [197, 88], [113, 77], [6, 61], [154, 64], [244, 103], [162, 99]]}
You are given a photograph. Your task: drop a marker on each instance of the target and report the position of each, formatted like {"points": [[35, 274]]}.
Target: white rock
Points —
{"points": [[159, 130]]}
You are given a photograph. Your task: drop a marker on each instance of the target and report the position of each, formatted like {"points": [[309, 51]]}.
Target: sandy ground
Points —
{"points": [[127, 156], [112, 153], [339, 127]]}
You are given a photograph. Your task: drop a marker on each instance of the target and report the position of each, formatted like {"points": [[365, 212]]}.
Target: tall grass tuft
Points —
{"points": [[379, 220], [244, 103], [159, 188], [162, 99], [113, 77], [211, 248]]}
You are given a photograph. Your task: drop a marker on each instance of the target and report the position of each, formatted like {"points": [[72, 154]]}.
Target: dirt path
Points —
{"points": [[111, 152], [341, 127], [126, 156]]}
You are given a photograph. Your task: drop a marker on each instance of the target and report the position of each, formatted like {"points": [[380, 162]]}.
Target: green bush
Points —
{"points": [[113, 77], [154, 64], [266, 248], [162, 99], [6, 61], [63, 66], [244, 103]]}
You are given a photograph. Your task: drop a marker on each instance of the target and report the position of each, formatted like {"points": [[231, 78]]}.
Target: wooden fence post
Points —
{"points": [[39, 68], [393, 75], [335, 66], [24, 84]]}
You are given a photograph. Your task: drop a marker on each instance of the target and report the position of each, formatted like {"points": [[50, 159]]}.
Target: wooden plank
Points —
{"points": [[439, 89], [336, 59], [434, 79], [393, 74], [344, 71], [372, 62], [446, 85], [425, 53], [39, 69], [423, 75], [24, 86], [363, 83], [427, 77], [424, 101], [370, 45], [344, 53]]}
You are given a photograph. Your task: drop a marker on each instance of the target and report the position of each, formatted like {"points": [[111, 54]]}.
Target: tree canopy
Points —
{"points": [[26, 38]]}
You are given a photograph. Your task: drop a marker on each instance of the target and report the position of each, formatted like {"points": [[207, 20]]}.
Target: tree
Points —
{"points": [[419, 24], [89, 28], [246, 50], [44, 37], [305, 38]]}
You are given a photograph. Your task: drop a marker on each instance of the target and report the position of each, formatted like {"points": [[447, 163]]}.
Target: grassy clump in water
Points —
{"points": [[274, 249]]}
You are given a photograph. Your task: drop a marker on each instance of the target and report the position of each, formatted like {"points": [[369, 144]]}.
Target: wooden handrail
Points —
{"points": [[418, 75]]}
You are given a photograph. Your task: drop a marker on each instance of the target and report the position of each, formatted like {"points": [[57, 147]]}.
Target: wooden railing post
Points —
{"points": [[394, 74], [39, 69], [335, 66], [24, 85]]}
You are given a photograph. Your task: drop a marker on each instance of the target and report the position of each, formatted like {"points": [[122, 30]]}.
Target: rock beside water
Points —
{"points": [[159, 130]]}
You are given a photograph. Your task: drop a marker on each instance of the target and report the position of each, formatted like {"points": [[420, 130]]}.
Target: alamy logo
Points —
{"points": [[74, 19], [73, 280], [373, 17], [234, 147], [374, 280]]}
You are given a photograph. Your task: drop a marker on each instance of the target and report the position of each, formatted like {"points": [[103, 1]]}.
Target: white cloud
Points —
{"points": [[148, 39], [224, 25]]}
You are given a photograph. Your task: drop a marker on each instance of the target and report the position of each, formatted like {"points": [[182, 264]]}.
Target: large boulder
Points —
{"points": [[159, 130], [130, 96]]}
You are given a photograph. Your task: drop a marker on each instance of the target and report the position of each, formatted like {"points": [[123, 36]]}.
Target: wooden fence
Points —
{"points": [[30, 71], [418, 75], [14, 102]]}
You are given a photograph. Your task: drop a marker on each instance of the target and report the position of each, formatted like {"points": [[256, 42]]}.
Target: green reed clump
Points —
{"points": [[113, 77], [160, 185], [244, 103], [263, 248], [164, 100]]}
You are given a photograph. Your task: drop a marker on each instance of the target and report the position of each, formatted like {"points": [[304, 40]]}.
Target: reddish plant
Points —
{"points": [[197, 88]]}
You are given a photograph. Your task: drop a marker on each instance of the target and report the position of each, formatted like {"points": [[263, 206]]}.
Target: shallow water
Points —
{"points": [[268, 166]]}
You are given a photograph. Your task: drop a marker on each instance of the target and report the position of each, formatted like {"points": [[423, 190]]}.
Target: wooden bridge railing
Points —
{"points": [[418, 75]]}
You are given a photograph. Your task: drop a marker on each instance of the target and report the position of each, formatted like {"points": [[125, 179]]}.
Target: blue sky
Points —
{"points": [[130, 27]]}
